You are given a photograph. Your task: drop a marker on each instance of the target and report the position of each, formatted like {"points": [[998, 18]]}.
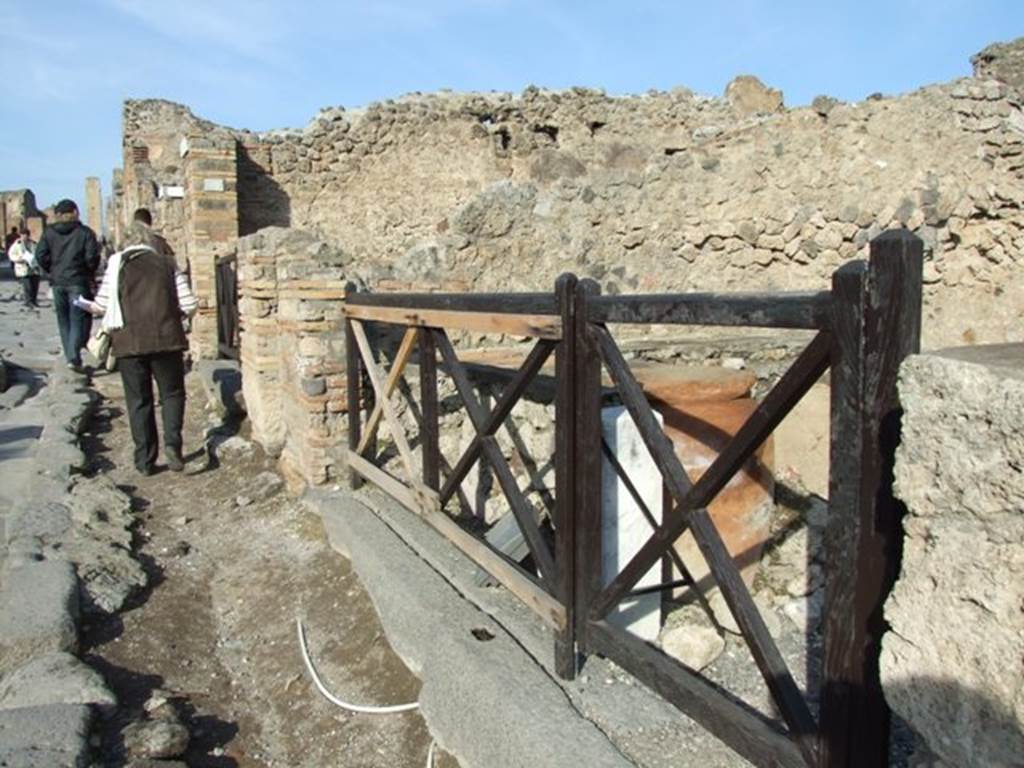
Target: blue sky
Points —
{"points": [[67, 66]]}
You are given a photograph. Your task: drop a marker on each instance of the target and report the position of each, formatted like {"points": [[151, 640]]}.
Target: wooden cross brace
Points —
{"points": [[383, 391], [486, 424], [690, 511]]}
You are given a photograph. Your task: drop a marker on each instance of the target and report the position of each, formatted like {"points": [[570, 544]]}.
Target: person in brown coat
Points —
{"points": [[144, 298]]}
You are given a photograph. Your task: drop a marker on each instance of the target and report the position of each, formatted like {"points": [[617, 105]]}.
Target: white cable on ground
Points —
{"points": [[345, 705], [430, 755]]}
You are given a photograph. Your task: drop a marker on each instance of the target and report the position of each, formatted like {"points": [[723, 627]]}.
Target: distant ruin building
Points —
{"points": [[18, 209]]}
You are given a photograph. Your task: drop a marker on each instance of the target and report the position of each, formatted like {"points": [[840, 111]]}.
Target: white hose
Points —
{"points": [[343, 704], [430, 755]]}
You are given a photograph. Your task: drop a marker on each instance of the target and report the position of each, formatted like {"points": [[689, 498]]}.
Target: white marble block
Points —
{"points": [[624, 529]]}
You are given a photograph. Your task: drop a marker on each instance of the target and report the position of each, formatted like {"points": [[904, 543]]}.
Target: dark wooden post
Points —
{"points": [[876, 324], [588, 463], [353, 379], [430, 437], [565, 474]]}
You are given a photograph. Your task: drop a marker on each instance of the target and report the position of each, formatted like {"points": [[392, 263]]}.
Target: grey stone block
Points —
{"points": [[314, 387], [56, 678], [50, 523], [951, 665], [45, 737], [62, 458], [38, 611]]}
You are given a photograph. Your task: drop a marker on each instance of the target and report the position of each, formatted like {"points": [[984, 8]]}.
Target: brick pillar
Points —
{"points": [[115, 213], [210, 229], [94, 205], [260, 339]]}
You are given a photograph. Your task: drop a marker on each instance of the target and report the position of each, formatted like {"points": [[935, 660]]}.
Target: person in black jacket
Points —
{"points": [[69, 253]]}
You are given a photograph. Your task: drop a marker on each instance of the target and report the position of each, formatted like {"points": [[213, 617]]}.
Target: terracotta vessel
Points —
{"points": [[703, 408]]}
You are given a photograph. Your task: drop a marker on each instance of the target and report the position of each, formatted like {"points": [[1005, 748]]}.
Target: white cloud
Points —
{"points": [[248, 28]]}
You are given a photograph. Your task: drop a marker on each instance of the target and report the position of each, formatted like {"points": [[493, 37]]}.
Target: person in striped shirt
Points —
{"points": [[144, 300]]}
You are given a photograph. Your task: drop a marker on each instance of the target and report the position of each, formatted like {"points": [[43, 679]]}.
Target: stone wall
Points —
{"points": [[153, 169], [953, 662]]}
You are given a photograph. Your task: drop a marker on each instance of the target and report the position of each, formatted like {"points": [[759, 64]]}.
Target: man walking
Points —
{"points": [[145, 217], [68, 251]]}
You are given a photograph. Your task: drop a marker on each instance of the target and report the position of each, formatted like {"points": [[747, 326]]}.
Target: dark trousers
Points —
{"points": [[73, 323], [137, 374], [30, 289]]}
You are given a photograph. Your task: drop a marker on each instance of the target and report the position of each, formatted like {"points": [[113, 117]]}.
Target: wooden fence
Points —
{"points": [[865, 325]]}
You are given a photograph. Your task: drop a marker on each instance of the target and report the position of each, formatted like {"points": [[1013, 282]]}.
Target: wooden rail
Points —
{"points": [[866, 325]]}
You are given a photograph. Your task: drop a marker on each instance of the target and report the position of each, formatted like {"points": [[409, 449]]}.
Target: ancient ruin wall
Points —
{"points": [[153, 175], [663, 191], [675, 192], [18, 209]]}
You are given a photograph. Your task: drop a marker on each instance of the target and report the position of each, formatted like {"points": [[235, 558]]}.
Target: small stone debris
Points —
{"points": [[234, 447], [265, 485], [160, 738], [695, 646]]}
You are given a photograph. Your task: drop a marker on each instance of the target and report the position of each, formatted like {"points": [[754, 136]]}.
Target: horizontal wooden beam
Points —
{"points": [[501, 303], [482, 321], [760, 310], [550, 611], [423, 502], [391, 485], [738, 725]]}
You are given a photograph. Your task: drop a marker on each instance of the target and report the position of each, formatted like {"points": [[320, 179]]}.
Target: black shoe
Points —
{"points": [[146, 470], [174, 461]]}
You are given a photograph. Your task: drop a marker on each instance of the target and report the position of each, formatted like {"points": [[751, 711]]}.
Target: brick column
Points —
{"points": [[211, 226], [292, 351], [94, 205], [115, 212], [260, 340]]}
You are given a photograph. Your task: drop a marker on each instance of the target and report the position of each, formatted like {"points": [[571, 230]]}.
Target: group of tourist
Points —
{"points": [[143, 301]]}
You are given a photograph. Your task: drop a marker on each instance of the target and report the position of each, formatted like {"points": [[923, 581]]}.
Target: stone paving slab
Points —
{"points": [[45, 737], [38, 611], [54, 678], [46, 692]]}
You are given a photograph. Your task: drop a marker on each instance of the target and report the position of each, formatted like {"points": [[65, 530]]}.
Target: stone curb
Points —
{"points": [[379, 536], [485, 698], [45, 712]]}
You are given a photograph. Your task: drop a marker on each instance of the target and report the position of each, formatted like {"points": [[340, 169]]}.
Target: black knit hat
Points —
{"points": [[65, 206]]}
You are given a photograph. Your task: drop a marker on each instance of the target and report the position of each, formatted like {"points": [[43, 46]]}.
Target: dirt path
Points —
{"points": [[216, 628]]}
